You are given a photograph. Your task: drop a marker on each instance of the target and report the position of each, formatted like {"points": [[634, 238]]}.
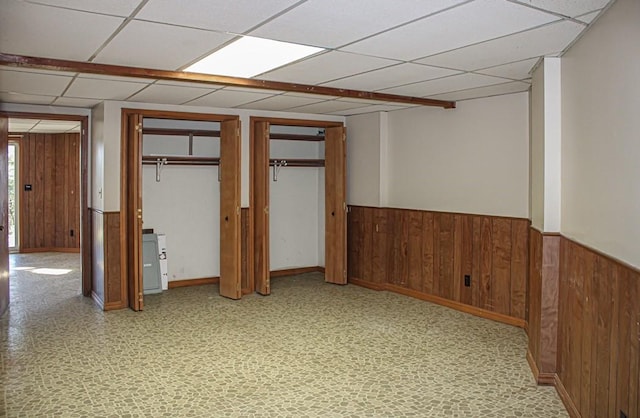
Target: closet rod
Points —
{"points": [[180, 132], [296, 162], [296, 137], [177, 160]]}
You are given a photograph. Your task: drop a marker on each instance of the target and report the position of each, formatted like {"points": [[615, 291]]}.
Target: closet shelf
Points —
{"points": [[179, 160], [180, 132], [295, 137], [296, 162]]}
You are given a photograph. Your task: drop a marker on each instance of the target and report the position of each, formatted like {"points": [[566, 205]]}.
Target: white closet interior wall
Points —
{"points": [[296, 203], [185, 203]]}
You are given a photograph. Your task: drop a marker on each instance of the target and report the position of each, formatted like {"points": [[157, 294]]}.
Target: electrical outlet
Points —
{"points": [[467, 280], [623, 415]]}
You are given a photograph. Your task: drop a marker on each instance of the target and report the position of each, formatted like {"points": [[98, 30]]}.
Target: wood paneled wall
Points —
{"points": [[598, 334], [109, 287], [423, 253], [544, 266], [50, 212]]}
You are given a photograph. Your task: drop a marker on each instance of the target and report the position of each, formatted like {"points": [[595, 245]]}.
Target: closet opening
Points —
{"points": [[298, 195], [181, 202]]}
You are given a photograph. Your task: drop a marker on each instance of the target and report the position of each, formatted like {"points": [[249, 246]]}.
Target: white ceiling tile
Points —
{"points": [[21, 125], [189, 84], [116, 78], [311, 96], [158, 93], [154, 45], [571, 8], [326, 107], [546, 40], [32, 83], [326, 67], [238, 15], [54, 126], [468, 24], [391, 77], [518, 70], [42, 31], [589, 17], [252, 90], [111, 7], [282, 102], [331, 23], [363, 102], [76, 102], [445, 85], [495, 90], [369, 109], [90, 88], [39, 71], [227, 98], [25, 98]]}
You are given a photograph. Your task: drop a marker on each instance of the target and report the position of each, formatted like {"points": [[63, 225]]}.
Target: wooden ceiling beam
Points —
{"points": [[137, 72]]}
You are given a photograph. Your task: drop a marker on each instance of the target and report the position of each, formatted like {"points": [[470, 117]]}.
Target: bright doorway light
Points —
{"points": [[51, 272], [250, 56]]}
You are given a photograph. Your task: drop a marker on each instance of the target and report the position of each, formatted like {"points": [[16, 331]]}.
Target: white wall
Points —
{"points": [[113, 112], [295, 206], [546, 134], [185, 204], [363, 159], [97, 157], [537, 148], [473, 159], [600, 135]]}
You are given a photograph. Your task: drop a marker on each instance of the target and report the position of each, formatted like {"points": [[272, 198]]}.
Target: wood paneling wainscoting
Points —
{"points": [[108, 281], [50, 210], [427, 255], [544, 270], [598, 333]]}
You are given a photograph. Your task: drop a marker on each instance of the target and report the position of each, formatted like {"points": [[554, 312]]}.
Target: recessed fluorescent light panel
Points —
{"points": [[250, 56]]}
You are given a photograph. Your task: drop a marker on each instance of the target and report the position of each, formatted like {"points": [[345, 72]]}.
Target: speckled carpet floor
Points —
{"points": [[309, 350]]}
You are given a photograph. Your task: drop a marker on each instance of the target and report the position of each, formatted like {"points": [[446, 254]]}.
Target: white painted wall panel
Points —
{"points": [[537, 149], [363, 159], [600, 142], [474, 159]]}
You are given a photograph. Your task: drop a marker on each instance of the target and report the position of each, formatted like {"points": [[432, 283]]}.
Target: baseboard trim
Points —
{"points": [[368, 285], [482, 313], [565, 398], [193, 282], [295, 271], [544, 379], [48, 250], [97, 299], [457, 306]]}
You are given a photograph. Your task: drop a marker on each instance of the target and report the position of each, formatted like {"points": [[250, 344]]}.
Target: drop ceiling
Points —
{"points": [[440, 49]]}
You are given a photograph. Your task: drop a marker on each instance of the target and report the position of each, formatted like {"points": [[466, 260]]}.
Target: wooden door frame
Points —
{"points": [[253, 120], [127, 160], [85, 219]]}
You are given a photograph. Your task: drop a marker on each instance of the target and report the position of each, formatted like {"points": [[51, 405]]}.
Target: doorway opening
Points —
{"points": [[46, 159], [12, 157]]}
